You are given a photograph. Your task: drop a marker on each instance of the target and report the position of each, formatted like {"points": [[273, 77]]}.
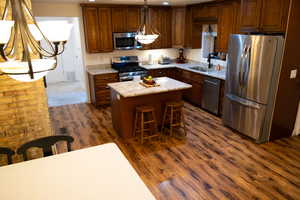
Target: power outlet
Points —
{"points": [[293, 74]]}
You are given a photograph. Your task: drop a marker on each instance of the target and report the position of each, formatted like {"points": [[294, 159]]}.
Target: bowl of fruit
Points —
{"points": [[148, 80]]}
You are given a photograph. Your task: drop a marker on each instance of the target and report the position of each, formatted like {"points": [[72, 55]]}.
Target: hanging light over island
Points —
{"points": [[20, 41], [146, 34]]}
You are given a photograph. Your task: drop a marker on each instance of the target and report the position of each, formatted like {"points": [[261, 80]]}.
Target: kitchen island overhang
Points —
{"points": [[126, 96]]}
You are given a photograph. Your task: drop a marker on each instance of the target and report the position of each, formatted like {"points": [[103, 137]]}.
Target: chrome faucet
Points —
{"points": [[210, 56]]}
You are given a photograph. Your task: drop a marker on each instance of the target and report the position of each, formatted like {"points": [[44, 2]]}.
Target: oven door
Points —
{"points": [[125, 41]]}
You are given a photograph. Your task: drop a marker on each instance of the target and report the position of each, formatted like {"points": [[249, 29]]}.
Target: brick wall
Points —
{"points": [[24, 112]]}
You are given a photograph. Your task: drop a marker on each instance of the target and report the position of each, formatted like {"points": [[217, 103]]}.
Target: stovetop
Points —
{"points": [[130, 69], [126, 64]]}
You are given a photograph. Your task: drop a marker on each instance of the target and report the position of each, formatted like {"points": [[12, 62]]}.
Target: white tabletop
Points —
{"points": [[134, 88], [97, 173]]}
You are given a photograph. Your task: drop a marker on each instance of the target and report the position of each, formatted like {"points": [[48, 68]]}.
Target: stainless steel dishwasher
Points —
{"points": [[211, 95]]}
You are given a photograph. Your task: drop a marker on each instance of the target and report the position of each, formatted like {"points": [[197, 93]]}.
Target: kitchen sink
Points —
{"points": [[199, 68]]}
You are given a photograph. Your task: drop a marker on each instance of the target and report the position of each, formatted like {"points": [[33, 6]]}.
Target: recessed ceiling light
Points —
{"points": [[92, 0], [166, 3]]}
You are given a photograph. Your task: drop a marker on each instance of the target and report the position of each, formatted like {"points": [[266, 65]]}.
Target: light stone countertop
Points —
{"points": [[134, 88], [106, 69], [215, 74], [100, 69]]}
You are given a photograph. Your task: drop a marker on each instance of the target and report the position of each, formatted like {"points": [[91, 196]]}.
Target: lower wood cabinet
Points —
{"points": [[167, 72], [195, 94], [99, 90]]}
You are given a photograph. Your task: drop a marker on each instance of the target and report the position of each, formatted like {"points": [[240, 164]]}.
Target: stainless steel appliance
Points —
{"points": [[128, 68], [125, 41], [211, 91], [254, 64]]}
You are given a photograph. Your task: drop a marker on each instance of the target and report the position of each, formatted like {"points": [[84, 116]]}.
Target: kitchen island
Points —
{"points": [[126, 96]]}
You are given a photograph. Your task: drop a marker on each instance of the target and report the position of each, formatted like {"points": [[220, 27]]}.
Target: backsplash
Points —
{"points": [[196, 55], [190, 54], [105, 58]]}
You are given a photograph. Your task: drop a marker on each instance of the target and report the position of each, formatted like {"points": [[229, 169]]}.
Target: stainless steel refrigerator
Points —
{"points": [[253, 69]]}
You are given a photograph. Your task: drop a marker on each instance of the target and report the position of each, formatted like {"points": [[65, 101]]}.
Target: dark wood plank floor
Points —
{"points": [[212, 163]]}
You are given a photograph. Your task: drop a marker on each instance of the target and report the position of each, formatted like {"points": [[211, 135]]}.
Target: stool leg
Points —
{"points": [[183, 121], [135, 123], [171, 121], [142, 128], [155, 123], [164, 120]]}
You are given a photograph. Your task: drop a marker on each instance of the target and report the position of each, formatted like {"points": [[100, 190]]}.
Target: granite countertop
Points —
{"points": [[106, 69], [100, 69], [216, 74], [134, 88]]}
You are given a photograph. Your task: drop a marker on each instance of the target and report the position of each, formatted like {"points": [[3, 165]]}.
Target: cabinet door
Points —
{"points": [[166, 27], [196, 41], [91, 28], [155, 22], [250, 15], [226, 26], [105, 30], [133, 19], [119, 19], [178, 26], [196, 94], [274, 15]]}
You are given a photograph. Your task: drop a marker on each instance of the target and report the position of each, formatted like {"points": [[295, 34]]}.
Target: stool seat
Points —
{"points": [[145, 108], [175, 103]]}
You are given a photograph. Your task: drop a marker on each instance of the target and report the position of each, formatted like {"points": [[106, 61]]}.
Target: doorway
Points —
{"points": [[66, 84]]}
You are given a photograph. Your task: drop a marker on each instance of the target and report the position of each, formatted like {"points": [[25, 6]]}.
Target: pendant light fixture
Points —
{"points": [[146, 34], [20, 41]]}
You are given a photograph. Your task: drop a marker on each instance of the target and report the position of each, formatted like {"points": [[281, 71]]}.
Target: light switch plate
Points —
{"points": [[293, 74]]}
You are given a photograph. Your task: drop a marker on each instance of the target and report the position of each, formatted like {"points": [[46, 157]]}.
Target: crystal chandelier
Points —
{"points": [[146, 34], [20, 41]]}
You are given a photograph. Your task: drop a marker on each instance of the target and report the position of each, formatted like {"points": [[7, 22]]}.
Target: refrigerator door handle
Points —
{"points": [[247, 68], [243, 102], [242, 67]]}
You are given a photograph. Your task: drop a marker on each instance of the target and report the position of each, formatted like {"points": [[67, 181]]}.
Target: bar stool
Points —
{"points": [[145, 123], [173, 117]]}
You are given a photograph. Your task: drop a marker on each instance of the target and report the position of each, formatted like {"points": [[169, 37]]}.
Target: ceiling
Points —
{"points": [[150, 2]]}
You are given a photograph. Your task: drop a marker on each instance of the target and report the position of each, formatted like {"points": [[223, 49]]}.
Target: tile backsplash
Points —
{"points": [[196, 55], [105, 58], [190, 54]]}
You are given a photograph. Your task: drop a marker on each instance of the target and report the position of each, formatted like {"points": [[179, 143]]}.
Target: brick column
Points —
{"points": [[24, 114]]}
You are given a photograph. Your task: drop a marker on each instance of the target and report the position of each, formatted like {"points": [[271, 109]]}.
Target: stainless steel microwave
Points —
{"points": [[125, 41]]}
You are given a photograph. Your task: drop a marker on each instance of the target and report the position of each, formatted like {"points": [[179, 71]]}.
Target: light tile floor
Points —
{"points": [[66, 93]]}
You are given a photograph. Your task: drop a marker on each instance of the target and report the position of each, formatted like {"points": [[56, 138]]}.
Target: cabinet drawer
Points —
{"points": [[106, 77]]}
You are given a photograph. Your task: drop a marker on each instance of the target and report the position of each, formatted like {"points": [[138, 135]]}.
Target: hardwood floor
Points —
{"points": [[212, 163]]}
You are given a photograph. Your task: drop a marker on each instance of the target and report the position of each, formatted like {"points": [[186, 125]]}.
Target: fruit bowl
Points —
{"points": [[149, 80]]}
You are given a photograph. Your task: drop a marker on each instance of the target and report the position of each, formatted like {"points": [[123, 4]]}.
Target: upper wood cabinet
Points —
{"points": [[133, 19], [126, 19], [274, 15], [264, 15], [160, 18], [181, 27], [205, 12], [250, 15], [228, 23], [119, 20], [97, 27]]}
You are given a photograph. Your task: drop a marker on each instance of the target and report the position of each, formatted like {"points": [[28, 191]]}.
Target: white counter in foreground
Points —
{"points": [[134, 88], [96, 173]]}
